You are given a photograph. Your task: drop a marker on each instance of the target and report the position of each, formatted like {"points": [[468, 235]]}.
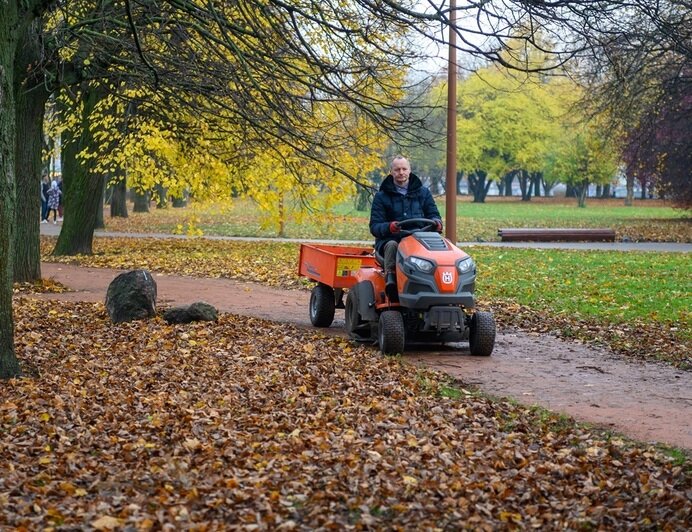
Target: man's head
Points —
{"points": [[400, 170]]}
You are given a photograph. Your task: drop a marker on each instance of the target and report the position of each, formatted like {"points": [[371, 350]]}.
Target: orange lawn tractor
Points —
{"points": [[435, 292]]}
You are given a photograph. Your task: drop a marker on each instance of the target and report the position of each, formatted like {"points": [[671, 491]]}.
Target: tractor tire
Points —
{"points": [[322, 305], [482, 334], [391, 333], [352, 316]]}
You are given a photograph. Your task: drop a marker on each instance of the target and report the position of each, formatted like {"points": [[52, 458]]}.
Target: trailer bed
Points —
{"points": [[334, 266]]}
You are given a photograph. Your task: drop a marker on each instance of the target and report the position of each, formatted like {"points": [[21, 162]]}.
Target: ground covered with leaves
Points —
{"points": [[636, 304], [244, 422]]}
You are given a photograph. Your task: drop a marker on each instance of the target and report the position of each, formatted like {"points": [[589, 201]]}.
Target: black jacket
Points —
{"points": [[389, 206]]}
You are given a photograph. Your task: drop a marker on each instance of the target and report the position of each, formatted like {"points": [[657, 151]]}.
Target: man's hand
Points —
{"points": [[394, 227], [438, 226]]}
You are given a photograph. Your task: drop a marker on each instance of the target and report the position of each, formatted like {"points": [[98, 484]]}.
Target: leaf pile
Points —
{"points": [[248, 423], [246, 261], [39, 287]]}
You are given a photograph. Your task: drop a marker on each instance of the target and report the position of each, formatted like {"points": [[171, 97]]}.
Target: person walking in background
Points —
{"points": [[54, 201], [45, 187], [60, 205]]}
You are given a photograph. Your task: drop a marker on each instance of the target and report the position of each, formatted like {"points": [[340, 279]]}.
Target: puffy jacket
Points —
{"points": [[389, 206]]}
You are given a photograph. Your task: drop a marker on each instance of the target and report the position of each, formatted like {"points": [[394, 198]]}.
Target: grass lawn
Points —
{"points": [[645, 221]]}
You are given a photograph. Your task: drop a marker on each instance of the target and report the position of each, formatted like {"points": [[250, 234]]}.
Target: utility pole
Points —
{"points": [[451, 181]]}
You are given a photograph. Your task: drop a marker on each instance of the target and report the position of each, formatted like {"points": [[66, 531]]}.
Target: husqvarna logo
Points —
{"points": [[447, 277]]}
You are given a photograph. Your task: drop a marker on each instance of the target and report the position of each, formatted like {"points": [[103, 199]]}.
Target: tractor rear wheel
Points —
{"points": [[354, 323], [482, 334], [322, 305], [391, 334]]}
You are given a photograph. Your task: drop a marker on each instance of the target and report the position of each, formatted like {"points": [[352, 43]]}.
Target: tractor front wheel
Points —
{"points": [[322, 305], [482, 334], [391, 334]]}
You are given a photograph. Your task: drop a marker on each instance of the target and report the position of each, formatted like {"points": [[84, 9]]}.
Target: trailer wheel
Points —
{"points": [[391, 334], [322, 305], [482, 334]]}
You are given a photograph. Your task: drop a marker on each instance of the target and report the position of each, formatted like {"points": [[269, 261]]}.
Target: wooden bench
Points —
{"points": [[541, 234]]}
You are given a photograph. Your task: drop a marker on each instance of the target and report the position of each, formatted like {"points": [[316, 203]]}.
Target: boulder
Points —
{"points": [[131, 296], [199, 311]]}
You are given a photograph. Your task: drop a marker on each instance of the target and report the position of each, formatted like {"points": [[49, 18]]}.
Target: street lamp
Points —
{"points": [[451, 181]]}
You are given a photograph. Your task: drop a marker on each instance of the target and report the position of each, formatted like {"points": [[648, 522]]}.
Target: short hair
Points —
{"points": [[398, 157]]}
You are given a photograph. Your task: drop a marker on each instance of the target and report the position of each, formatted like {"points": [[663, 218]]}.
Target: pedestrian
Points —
{"points": [[53, 201], [60, 205], [45, 187], [402, 196]]}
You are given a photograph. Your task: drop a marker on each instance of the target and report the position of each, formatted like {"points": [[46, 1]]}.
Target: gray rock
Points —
{"points": [[199, 311], [131, 296]]}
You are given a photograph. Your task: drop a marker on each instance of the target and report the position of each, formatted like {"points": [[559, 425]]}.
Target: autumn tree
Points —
{"points": [[15, 20], [638, 71]]}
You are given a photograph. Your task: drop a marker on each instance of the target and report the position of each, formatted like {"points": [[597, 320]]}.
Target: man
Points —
{"points": [[402, 196]]}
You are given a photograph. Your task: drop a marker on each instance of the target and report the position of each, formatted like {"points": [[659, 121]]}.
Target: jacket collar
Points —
{"points": [[414, 183]]}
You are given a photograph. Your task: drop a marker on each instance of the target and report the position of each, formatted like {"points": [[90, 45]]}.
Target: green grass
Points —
{"points": [[606, 285], [646, 220]]}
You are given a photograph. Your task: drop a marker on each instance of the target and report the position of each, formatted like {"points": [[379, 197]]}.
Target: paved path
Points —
{"points": [[51, 229]]}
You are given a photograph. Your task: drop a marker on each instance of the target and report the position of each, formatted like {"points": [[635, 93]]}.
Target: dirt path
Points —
{"points": [[648, 402]]}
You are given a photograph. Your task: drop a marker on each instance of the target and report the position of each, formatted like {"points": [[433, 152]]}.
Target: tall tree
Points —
{"points": [[31, 95], [15, 18]]}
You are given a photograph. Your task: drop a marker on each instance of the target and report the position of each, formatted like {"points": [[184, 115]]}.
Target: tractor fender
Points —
{"points": [[365, 293]]}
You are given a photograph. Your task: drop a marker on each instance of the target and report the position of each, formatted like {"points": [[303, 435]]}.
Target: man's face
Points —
{"points": [[401, 169]]}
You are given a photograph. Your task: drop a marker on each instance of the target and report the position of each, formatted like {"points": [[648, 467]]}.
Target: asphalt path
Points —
{"points": [[54, 229]]}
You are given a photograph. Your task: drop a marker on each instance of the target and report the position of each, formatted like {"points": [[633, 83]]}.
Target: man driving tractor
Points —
{"points": [[402, 196]]}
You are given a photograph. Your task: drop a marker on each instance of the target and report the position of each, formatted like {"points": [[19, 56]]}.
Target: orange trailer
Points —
{"points": [[333, 268]]}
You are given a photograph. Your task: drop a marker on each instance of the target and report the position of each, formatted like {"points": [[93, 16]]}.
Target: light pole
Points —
{"points": [[451, 181]]}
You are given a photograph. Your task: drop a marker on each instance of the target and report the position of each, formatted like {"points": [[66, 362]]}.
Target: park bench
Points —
{"points": [[542, 234]]}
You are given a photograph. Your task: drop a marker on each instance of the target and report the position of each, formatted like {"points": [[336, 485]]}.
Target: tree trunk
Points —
{"points": [[100, 222], [479, 186], [525, 185], [282, 217], [582, 191], [161, 196], [180, 202], [643, 194], [30, 100], [509, 179], [141, 201], [459, 176], [119, 197], [629, 198], [9, 34], [82, 189], [547, 187], [536, 178], [501, 187]]}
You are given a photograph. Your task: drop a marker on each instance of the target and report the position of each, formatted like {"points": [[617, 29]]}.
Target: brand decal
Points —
{"points": [[447, 277]]}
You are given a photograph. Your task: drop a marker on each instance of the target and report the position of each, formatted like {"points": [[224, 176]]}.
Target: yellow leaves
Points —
{"points": [[106, 522], [192, 444], [409, 481]]}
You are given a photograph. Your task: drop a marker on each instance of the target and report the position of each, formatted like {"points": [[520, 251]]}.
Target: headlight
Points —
{"points": [[465, 265], [423, 265]]}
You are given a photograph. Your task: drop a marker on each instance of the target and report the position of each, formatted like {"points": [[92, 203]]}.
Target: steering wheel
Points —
{"points": [[418, 225]]}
